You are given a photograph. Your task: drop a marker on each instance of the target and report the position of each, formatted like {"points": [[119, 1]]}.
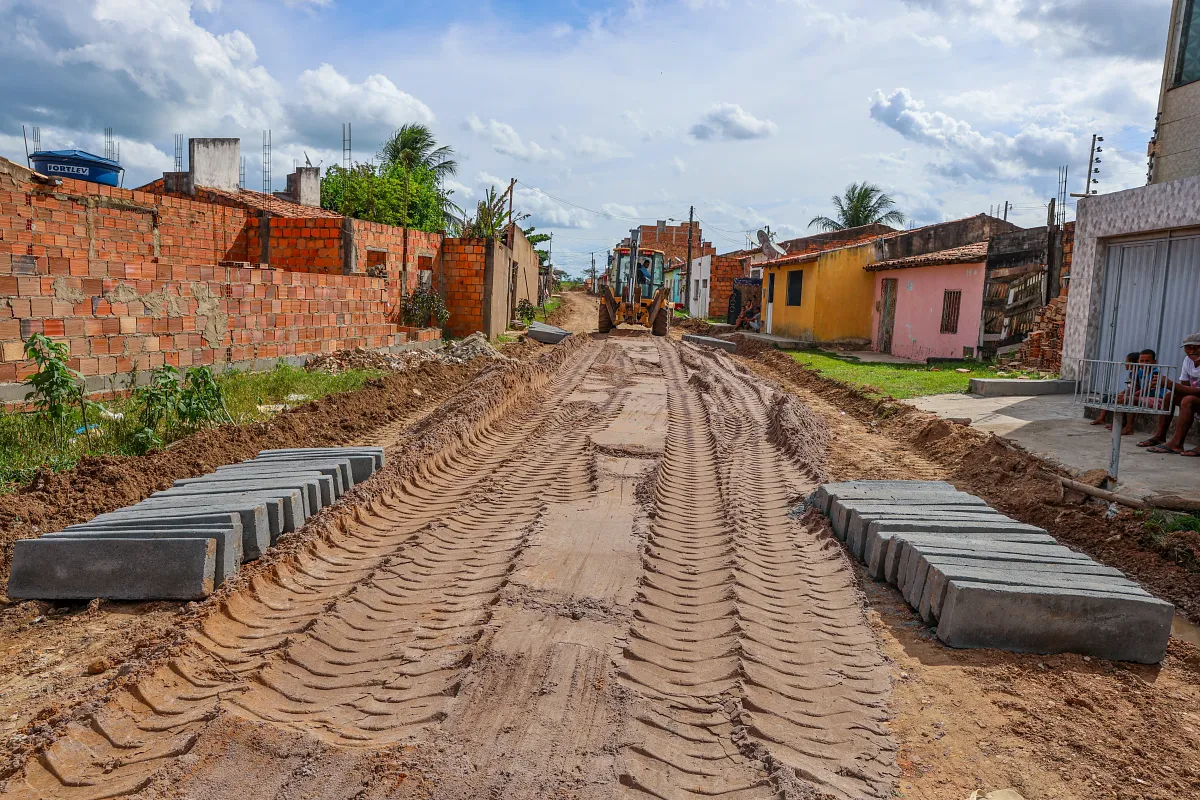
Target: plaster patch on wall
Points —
{"points": [[157, 303], [64, 291], [208, 305]]}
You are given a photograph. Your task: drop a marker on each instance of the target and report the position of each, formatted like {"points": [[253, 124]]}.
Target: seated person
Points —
{"points": [[1184, 394], [1131, 358], [748, 318]]}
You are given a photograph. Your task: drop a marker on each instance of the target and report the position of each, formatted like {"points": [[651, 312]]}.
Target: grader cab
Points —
{"points": [[635, 293]]}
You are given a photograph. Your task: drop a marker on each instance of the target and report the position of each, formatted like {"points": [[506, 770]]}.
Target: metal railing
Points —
{"points": [[1119, 386], [1124, 388]]}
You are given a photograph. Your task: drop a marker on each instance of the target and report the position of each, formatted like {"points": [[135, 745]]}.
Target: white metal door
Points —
{"points": [[1151, 297]]}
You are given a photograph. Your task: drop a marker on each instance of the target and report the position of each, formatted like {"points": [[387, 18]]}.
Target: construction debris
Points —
{"points": [[457, 351]]}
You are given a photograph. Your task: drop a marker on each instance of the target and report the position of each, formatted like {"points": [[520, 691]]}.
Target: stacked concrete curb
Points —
{"points": [[987, 580], [184, 542], [710, 341]]}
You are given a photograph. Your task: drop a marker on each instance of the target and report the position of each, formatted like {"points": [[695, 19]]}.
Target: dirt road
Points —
{"points": [[596, 590]]}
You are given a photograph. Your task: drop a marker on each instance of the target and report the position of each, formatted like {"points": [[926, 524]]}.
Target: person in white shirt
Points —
{"points": [[1185, 394]]}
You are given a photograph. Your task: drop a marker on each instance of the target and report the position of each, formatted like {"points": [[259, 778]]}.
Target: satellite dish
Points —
{"points": [[769, 248]]}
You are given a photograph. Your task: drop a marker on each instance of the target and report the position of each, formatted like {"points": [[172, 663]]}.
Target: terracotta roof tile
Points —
{"points": [[966, 254]]}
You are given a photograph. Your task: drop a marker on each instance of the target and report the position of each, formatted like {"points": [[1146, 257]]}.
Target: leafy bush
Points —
{"points": [[422, 306], [526, 311], [55, 386]]}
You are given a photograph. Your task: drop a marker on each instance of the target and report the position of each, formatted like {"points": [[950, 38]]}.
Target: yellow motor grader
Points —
{"points": [[635, 293]]}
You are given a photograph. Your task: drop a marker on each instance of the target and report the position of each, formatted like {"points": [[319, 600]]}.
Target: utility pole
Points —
{"points": [[594, 273], [511, 233], [687, 287], [1006, 206]]}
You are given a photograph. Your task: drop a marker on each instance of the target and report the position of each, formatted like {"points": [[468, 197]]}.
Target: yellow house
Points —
{"points": [[821, 291], [824, 296]]}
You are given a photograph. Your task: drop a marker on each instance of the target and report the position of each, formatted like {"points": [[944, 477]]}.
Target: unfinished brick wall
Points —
{"points": [[138, 316], [403, 260], [463, 269], [131, 281], [78, 221], [306, 244], [724, 270]]}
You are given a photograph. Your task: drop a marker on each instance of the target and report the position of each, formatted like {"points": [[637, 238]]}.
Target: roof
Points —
{"points": [[967, 254], [249, 198]]}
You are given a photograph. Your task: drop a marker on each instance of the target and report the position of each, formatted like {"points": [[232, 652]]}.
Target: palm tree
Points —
{"points": [[862, 204], [413, 146]]}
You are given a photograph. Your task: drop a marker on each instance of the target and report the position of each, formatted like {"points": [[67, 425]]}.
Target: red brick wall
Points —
{"points": [[464, 263], [370, 236], [86, 263], [673, 241], [77, 221], [127, 316], [306, 244], [720, 285]]}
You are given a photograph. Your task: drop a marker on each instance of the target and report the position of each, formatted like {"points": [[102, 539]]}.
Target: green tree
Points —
{"points": [[390, 194], [490, 219], [535, 239], [862, 204], [414, 147]]}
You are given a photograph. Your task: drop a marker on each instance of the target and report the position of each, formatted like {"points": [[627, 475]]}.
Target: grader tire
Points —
{"points": [[662, 323]]}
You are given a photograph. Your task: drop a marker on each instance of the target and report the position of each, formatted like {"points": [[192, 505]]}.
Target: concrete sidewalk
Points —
{"points": [[1054, 427]]}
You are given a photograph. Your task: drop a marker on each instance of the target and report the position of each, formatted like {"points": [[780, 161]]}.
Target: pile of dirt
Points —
{"points": [[694, 325], [458, 351], [1016, 482], [104, 483]]}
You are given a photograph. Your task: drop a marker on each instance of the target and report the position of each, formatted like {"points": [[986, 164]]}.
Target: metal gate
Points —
{"points": [[1151, 297]]}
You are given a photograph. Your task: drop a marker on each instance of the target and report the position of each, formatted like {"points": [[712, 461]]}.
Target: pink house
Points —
{"points": [[930, 306]]}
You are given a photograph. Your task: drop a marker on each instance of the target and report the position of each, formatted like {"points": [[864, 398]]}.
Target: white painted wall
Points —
{"points": [[701, 276]]}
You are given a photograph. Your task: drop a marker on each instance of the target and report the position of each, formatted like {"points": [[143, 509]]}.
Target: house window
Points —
{"points": [[697, 292], [1187, 67], [950, 304], [377, 263], [795, 287], [705, 283]]}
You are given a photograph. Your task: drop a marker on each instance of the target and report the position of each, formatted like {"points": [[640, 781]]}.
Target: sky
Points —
{"points": [[613, 113]]}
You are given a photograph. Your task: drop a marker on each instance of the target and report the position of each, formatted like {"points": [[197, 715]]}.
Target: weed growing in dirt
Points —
{"points": [[1175, 536], [901, 381], [544, 312], [52, 436]]}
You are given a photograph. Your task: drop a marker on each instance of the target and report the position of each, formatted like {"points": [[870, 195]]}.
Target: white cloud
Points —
{"points": [[972, 153], [506, 141], [619, 210], [460, 189], [678, 165], [546, 212], [937, 42], [600, 149], [324, 97], [730, 121]]}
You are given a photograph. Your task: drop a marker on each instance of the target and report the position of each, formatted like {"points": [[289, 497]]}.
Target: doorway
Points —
{"points": [[770, 300], [887, 315]]}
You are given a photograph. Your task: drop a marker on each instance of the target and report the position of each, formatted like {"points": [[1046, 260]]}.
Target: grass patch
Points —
{"points": [[551, 306], [901, 381], [27, 441], [681, 314], [1176, 537]]}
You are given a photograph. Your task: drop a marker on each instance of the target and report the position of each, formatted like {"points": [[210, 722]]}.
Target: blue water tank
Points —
{"points": [[78, 165]]}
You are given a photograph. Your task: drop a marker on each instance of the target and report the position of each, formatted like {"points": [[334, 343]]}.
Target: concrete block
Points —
{"points": [[1011, 387], [547, 334], [981, 548], [840, 509], [280, 512], [340, 469], [333, 472], [1118, 627], [930, 584], [361, 466], [362, 472], [309, 489], [318, 488], [229, 541], [827, 491], [878, 532], [709, 341], [255, 516], [150, 521], [858, 528], [114, 569]]}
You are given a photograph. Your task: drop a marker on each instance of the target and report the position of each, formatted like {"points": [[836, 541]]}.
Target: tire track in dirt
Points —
{"points": [[682, 654], [814, 687], [359, 639]]}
